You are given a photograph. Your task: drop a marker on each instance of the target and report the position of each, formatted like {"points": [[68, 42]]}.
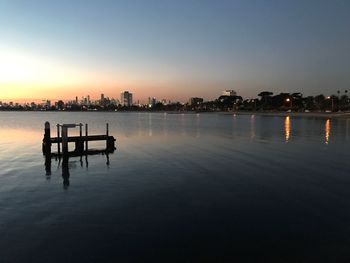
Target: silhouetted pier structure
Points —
{"points": [[81, 141]]}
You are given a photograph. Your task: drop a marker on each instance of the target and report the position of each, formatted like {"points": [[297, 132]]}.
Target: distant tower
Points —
{"points": [[76, 99], [126, 98]]}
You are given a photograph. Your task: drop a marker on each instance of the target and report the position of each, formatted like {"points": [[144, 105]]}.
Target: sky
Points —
{"points": [[172, 49]]}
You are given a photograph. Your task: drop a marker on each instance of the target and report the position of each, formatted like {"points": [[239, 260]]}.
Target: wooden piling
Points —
{"points": [[64, 140], [80, 129], [87, 137], [58, 136], [107, 134], [47, 139]]}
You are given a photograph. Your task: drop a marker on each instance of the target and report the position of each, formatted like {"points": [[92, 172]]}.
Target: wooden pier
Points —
{"points": [[81, 141]]}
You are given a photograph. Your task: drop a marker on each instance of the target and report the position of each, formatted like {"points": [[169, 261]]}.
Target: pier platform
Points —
{"points": [[81, 141]]}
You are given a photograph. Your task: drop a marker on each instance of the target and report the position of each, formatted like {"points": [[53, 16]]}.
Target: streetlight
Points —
{"points": [[331, 97], [291, 103]]}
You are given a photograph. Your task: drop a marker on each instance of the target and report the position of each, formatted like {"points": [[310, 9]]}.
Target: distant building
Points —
{"points": [[126, 98], [152, 101], [195, 101], [48, 104], [229, 93]]}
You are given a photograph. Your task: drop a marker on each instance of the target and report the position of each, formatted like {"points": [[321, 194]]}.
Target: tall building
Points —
{"points": [[126, 98], [229, 93], [152, 101]]}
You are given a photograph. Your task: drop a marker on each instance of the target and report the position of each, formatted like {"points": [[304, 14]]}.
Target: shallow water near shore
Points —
{"points": [[179, 188]]}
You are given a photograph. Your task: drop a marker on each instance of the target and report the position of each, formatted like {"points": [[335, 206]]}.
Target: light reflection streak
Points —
{"points": [[197, 125], [287, 126], [327, 129], [252, 127], [234, 120], [150, 127]]}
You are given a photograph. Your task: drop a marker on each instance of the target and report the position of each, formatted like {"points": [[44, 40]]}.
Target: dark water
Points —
{"points": [[179, 188]]}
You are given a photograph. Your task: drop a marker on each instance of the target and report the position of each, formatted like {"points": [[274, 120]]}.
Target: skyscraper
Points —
{"points": [[126, 98]]}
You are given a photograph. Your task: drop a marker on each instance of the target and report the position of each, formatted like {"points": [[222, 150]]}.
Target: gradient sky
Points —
{"points": [[172, 49]]}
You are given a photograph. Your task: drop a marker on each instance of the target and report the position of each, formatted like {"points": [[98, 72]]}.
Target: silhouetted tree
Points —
{"points": [[228, 102], [60, 105], [310, 103], [265, 99], [320, 101]]}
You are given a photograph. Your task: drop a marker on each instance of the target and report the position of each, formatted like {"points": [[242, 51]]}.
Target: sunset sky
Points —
{"points": [[172, 49]]}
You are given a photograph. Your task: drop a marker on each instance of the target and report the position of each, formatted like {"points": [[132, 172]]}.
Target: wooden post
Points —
{"points": [[86, 138], [107, 133], [58, 137], [64, 139], [47, 139], [80, 129]]}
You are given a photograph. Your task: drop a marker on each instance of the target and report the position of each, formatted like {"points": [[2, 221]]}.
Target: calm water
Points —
{"points": [[179, 188]]}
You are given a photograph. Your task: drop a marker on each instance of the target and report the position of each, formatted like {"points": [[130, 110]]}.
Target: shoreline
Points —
{"points": [[294, 114], [258, 113]]}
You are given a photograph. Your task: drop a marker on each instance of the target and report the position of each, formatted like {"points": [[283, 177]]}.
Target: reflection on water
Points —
{"points": [[197, 125], [150, 126], [287, 126], [66, 165], [234, 128], [252, 127], [65, 172], [197, 182], [327, 130]]}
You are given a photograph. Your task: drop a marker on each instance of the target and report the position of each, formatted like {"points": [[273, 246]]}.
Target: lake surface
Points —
{"points": [[179, 188]]}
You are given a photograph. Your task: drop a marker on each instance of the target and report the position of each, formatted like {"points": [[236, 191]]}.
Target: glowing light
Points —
{"points": [[30, 75], [17, 67], [287, 130], [288, 100], [327, 129], [252, 126]]}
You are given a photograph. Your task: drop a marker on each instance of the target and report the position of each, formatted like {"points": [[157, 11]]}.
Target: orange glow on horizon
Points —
{"points": [[27, 77]]}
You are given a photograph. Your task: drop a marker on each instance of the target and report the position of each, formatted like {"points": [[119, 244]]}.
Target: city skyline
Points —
{"points": [[173, 50]]}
